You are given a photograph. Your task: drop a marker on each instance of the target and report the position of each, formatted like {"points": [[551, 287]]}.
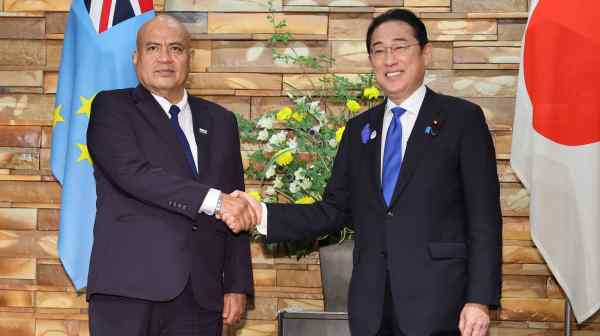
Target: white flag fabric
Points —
{"points": [[556, 143]]}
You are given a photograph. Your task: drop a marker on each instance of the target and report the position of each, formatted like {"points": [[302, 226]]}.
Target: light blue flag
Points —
{"points": [[90, 62]]}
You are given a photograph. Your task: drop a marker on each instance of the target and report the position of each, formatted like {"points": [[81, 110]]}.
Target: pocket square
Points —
{"points": [[202, 131]]}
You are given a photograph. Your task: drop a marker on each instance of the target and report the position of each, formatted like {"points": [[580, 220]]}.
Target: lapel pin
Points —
{"points": [[373, 134], [434, 129], [202, 131], [365, 133]]}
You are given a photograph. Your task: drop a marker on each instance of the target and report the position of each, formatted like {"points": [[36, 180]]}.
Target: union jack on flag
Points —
{"points": [[98, 44], [108, 13]]}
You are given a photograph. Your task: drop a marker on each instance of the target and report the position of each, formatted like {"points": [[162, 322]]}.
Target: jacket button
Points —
{"points": [[195, 227], [390, 214], [383, 254]]}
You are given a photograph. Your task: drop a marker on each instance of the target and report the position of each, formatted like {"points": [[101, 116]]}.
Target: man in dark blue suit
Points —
{"points": [[416, 178], [161, 263]]}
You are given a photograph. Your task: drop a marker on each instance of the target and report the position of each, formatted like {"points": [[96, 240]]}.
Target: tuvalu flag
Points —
{"points": [[97, 55], [556, 143]]}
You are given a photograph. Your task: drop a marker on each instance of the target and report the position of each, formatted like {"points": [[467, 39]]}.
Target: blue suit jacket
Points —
{"points": [[440, 239]]}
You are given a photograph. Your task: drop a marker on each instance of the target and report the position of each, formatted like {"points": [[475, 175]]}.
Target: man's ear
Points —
{"points": [[134, 57], [427, 52], [190, 58]]}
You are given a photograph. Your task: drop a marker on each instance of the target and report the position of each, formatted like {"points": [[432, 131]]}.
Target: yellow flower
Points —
{"points": [[298, 116], [305, 200], [339, 133], [371, 92], [352, 105], [256, 195], [284, 158], [284, 114]]}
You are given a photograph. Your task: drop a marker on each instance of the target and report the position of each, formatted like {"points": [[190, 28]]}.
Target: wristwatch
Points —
{"points": [[219, 204]]}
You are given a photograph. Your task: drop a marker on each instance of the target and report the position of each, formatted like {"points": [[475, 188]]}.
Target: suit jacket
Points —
{"points": [[439, 240], [149, 239]]}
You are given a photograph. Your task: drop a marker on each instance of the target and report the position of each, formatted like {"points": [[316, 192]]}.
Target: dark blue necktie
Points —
{"points": [[392, 155], [174, 112]]}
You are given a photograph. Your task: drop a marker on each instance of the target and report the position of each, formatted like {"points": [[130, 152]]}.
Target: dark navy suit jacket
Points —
{"points": [[149, 238], [439, 240]]}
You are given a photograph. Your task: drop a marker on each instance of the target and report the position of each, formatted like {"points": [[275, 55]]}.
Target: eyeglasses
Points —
{"points": [[379, 52]]}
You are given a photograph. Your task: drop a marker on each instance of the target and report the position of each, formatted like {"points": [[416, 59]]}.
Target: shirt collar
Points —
{"points": [[166, 105], [412, 104]]}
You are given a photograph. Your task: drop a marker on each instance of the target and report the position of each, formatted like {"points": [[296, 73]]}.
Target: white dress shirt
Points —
{"points": [[187, 126], [412, 105]]}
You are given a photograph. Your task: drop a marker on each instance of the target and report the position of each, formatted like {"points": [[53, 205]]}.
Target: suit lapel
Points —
{"points": [[374, 149], [417, 144], [202, 132], [155, 115]]}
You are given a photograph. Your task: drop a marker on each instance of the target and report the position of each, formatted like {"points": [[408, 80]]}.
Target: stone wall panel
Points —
{"points": [[21, 28]]}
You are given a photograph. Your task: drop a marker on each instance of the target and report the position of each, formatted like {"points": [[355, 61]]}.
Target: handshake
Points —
{"points": [[240, 211]]}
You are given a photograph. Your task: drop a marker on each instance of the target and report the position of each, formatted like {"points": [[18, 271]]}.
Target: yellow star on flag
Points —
{"points": [[86, 105], [57, 116], [84, 154]]}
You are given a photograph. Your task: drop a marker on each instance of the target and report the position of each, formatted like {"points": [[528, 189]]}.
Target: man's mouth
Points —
{"points": [[393, 74], [165, 72]]}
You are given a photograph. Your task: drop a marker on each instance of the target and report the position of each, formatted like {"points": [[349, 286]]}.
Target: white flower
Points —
{"points": [[270, 171], [268, 148], [278, 138], [314, 107], [265, 122], [306, 184], [294, 187], [300, 101], [292, 144], [299, 174], [270, 191], [278, 183], [263, 135], [333, 142]]}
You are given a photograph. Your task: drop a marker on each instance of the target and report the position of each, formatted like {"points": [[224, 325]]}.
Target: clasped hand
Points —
{"points": [[240, 211]]}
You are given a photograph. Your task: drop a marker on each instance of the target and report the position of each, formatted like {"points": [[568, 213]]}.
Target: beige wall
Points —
{"points": [[477, 45]]}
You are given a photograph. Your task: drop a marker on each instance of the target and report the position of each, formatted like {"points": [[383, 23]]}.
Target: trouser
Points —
{"points": [[121, 316]]}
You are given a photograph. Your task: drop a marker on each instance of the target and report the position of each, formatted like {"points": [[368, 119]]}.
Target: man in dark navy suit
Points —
{"points": [[416, 177], [162, 264]]}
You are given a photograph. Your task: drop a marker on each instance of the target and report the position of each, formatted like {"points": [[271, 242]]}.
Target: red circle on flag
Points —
{"points": [[561, 66]]}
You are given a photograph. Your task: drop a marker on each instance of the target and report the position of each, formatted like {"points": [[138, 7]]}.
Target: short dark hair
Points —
{"points": [[403, 15]]}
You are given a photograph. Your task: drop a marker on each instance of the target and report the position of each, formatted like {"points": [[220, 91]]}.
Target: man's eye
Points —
{"points": [[378, 51], [177, 49], [151, 48]]}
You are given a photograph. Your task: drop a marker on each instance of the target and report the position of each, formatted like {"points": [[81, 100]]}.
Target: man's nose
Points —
{"points": [[164, 55], [388, 57]]}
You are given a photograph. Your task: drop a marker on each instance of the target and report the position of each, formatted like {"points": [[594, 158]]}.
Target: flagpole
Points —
{"points": [[568, 313]]}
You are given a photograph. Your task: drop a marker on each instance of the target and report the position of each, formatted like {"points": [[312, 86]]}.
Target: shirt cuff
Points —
{"points": [[210, 202], [262, 226]]}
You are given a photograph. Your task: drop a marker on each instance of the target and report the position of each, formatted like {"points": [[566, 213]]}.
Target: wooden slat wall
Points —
{"points": [[476, 55]]}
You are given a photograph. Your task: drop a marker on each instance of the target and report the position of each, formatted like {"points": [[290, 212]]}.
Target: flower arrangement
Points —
{"points": [[296, 144]]}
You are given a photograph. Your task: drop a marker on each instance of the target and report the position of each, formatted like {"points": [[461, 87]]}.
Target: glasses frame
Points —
{"points": [[400, 50]]}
